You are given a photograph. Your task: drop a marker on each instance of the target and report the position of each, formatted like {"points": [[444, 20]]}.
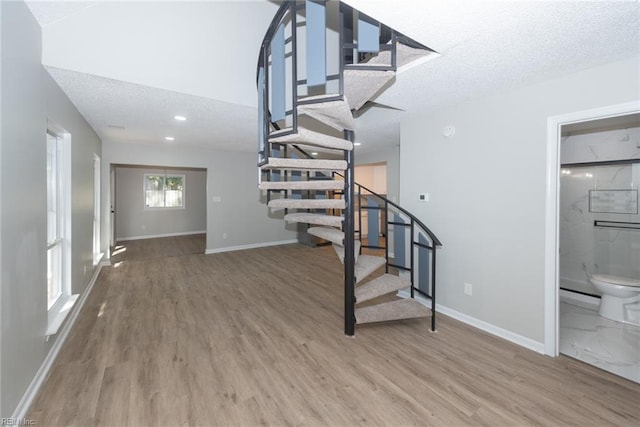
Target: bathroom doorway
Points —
{"points": [[598, 233]]}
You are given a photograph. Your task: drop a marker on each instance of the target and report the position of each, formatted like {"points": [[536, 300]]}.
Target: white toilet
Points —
{"points": [[620, 299]]}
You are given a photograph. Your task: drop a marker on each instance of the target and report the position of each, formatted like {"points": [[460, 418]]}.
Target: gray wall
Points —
{"points": [[235, 207], [134, 221], [84, 144], [487, 185], [29, 98]]}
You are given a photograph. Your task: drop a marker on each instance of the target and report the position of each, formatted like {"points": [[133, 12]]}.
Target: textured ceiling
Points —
{"points": [[484, 46], [127, 112], [50, 12], [489, 46]]}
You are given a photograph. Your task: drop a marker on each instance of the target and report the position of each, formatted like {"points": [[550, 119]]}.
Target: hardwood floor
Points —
{"points": [[255, 337]]}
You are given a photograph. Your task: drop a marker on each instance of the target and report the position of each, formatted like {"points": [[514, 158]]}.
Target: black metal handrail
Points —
{"points": [[411, 216], [414, 222], [426, 229]]}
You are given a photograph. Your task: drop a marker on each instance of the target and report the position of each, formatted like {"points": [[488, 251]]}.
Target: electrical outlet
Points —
{"points": [[468, 288], [224, 235]]}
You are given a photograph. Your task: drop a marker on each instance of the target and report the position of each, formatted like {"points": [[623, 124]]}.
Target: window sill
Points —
{"points": [[59, 312]]}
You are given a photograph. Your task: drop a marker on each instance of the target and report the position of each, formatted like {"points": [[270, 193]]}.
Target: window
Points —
{"points": [[164, 191], [55, 223], [59, 298]]}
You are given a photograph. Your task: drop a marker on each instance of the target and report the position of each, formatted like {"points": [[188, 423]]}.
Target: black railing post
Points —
{"points": [[294, 65], [386, 235], [394, 51], [411, 248], [341, 49], [433, 286], [359, 193], [349, 236], [265, 100]]}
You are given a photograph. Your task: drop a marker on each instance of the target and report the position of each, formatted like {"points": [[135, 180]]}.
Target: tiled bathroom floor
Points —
{"points": [[609, 345]]}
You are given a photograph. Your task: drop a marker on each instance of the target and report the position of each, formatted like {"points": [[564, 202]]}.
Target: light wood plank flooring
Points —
{"points": [[255, 338]]}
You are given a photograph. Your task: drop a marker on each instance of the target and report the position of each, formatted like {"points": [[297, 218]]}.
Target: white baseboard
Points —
{"points": [[155, 236], [250, 246], [536, 346], [34, 387]]}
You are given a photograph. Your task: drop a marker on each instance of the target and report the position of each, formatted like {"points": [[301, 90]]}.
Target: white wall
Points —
{"points": [[178, 40], [133, 220], [235, 207], [487, 187], [29, 98], [374, 177]]}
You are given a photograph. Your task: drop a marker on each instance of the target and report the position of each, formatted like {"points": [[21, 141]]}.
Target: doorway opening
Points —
{"points": [[157, 202], [590, 154]]}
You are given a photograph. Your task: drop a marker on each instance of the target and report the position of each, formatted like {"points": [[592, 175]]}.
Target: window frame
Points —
{"points": [[58, 244], [55, 239], [165, 176]]}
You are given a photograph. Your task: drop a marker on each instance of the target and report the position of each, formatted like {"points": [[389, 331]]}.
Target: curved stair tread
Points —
{"points": [[307, 164], [385, 284], [361, 86], [340, 250], [302, 185], [333, 113], [308, 137], [392, 310], [404, 56], [366, 265], [314, 218], [306, 204], [327, 233]]}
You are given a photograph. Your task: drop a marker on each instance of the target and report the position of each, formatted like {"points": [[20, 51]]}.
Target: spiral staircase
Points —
{"points": [[321, 63]]}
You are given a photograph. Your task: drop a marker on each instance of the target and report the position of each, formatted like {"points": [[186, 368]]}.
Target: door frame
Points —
{"points": [[552, 229], [112, 206]]}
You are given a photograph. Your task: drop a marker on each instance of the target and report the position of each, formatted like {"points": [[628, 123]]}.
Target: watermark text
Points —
{"points": [[17, 422]]}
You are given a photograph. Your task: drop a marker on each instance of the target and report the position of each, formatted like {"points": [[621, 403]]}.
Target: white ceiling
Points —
{"points": [[137, 64]]}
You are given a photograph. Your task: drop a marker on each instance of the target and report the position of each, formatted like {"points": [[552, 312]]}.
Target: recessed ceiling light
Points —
{"points": [[357, 143], [314, 153], [180, 118], [169, 138]]}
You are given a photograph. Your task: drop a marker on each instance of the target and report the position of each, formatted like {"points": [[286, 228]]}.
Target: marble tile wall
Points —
{"points": [[601, 146], [585, 249]]}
